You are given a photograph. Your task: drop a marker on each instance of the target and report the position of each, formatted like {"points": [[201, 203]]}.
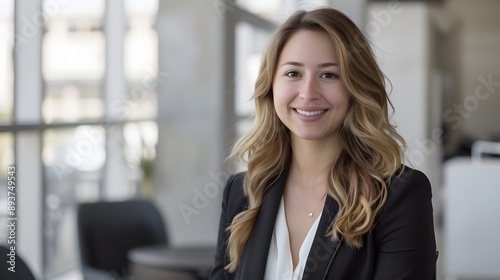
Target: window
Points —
{"points": [[250, 43], [73, 56], [7, 38], [73, 69], [73, 160], [140, 142], [6, 103], [66, 140], [141, 58], [251, 34]]}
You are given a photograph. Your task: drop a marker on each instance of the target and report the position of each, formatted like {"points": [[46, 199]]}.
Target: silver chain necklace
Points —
{"points": [[310, 213]]}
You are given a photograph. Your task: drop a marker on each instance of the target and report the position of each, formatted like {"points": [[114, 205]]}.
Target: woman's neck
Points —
{"points": [[312, 161]]}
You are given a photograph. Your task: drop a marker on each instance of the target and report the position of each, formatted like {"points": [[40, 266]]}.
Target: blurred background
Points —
{"points": [[116, 100]]}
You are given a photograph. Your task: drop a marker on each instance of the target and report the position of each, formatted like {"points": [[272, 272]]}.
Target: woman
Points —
{"points": [[325, 195]]}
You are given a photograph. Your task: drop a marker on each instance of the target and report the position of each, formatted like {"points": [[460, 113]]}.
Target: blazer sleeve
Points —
{"points": [[231, 205], [405, 231]]}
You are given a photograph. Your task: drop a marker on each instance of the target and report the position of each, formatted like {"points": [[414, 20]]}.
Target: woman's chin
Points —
{"points": [[312, 136]]}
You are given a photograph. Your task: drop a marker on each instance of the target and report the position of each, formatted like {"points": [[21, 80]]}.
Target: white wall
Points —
{"points": [[402, 37]]}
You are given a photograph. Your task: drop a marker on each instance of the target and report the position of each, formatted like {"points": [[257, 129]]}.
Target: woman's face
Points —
{"points": [[309, 96]]}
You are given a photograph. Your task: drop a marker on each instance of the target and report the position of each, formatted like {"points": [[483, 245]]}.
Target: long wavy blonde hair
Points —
{"points": [[372, 150]]}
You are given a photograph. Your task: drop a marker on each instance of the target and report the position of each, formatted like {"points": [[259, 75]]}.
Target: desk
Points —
{"points": [[195, 260]]}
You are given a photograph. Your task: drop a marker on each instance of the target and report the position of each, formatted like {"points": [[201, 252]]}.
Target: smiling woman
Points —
{"points": [[322, 140]]}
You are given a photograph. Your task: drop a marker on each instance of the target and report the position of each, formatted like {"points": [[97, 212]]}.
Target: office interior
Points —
{"points": [[142, 99]]}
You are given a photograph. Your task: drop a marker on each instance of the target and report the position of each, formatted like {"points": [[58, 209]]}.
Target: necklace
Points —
{"points": [[310, 213]]}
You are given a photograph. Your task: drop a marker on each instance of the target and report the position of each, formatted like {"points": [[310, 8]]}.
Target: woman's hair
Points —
{"points": [[371, 149]]}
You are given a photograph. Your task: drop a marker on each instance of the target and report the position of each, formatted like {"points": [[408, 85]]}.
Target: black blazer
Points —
{"points": [[401, 246]]}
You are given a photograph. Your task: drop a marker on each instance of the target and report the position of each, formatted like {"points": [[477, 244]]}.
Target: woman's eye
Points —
{"points": [[292, 74], [328, 75]]}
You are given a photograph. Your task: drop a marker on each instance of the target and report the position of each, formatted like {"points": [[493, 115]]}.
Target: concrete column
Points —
{"points": [[188, 171]]}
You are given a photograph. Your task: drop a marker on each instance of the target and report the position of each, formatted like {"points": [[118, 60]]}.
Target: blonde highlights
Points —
{"points": [[371, 147]]}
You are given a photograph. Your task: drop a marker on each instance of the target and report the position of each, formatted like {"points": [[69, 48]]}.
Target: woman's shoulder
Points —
{"points": [[234, 199], [409, 179], [406, 218], [234, 184], [409, 193]]}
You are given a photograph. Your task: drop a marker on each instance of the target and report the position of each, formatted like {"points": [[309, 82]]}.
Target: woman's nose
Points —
{"points": [[309, 89]]}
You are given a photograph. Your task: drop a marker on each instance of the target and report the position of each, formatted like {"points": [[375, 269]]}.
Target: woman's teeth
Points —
{"points": [[309, 113]]}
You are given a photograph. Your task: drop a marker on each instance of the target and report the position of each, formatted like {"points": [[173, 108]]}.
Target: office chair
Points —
{"points": [[108, 230], [22, 271], [471, 243]]}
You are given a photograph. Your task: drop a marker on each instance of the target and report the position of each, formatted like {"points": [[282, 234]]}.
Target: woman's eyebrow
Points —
{"points": [[321, 65], [328, 64], [294, 63]]}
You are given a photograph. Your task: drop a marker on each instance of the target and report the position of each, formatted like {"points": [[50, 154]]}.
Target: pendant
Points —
{"points": [[311, 214]]}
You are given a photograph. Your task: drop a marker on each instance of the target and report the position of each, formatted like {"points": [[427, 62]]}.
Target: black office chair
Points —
{"points": [[108, 230], [22, 271]]}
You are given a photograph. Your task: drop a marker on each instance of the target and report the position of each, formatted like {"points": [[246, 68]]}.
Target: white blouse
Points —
{"points": [[279, 259]]}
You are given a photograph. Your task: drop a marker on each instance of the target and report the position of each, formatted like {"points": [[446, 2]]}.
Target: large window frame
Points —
{"points": [[28, 127]]}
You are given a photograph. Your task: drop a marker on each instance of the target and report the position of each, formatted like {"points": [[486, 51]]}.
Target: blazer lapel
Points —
{"points": [[257, 248], [323, 250]]}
